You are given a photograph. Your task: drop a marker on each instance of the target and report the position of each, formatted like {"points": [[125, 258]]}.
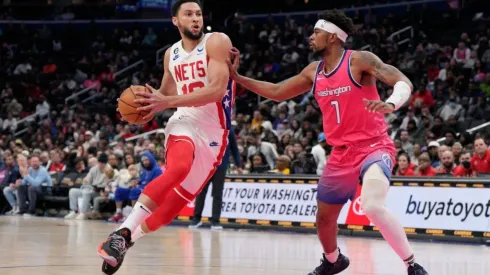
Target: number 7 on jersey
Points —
{"points": [[335, 104]]}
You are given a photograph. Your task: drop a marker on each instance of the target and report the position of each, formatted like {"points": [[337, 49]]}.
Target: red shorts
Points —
{"points": [[209, 149]]}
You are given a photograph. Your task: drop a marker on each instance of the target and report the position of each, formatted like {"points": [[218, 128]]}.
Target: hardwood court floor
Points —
{"points": [[43, 246]]}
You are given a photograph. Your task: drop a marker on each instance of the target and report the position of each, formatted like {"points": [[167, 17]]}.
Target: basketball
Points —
{"points": [[128, 108]]}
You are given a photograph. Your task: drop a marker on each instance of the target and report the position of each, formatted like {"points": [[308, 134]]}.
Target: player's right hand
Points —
{"points": [[233, 66]]}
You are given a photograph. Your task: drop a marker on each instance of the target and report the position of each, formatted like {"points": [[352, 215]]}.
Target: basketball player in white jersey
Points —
{"points": [[196, 82]]}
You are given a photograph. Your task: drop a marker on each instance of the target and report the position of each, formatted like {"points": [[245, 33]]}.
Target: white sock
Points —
{"points": [[410, 261], [138, 233], [118, 210], [137, 217], [333, 257], [374, 190]]}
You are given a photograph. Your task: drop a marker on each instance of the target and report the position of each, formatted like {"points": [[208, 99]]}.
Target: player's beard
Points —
{"points": [[319, 53], [188, 33]]}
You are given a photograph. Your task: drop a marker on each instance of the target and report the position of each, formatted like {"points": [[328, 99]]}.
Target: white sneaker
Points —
{"points": [[16, 210], [71, 215], [11, 212], [81, 216], [195, 225], [216, 226], [27, 215]]}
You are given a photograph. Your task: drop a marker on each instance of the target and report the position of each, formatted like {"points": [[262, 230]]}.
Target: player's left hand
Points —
{"points": [[155, 102], [378, 106]]}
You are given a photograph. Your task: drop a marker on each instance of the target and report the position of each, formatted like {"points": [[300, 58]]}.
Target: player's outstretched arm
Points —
{"points": [[402, 86], [287, 89]]}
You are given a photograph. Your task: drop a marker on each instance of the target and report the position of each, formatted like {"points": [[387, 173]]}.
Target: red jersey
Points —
{"points": [[56, 167], [428, 172], [460, 171], [340, 97], [407, 173], [481, 165]]}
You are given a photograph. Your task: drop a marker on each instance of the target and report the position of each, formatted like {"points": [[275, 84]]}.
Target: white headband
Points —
{"points": [[331, 28]]}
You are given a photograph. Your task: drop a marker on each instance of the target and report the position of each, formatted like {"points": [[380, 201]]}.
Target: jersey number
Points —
{"points": [[189, 88], [335, 104]]}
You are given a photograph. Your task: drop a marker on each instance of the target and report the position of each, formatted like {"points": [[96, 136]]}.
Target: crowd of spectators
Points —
{"points": [[87, 149]]}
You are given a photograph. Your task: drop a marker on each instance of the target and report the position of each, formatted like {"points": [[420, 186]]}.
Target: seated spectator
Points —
{"points": [[305, 163], [150, 171], [402, 168], [258, 163], [10, 182], [75, 175], [480, 162], [30, 187], [10, 123], [319, 153], [447, 163], [111, 182], [457, 148], [45, 161], [421, 98], [115, 162], [56, 166], [433, 151], [406, 145], [424, 169], [3, 168], [92, 183], [150, 37], [265, 148], [464, 169], [282, 165], [417, 150]]}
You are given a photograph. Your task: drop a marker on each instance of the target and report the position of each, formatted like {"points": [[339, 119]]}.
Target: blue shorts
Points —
{"points": [[125, 194], [346, 167]]}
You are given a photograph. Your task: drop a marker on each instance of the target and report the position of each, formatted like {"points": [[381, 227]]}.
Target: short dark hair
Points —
{"points": [[176, 5], [339, 18]]}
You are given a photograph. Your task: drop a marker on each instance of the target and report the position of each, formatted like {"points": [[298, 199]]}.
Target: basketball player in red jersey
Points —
{"points": [[344, 84], [196, 82]]}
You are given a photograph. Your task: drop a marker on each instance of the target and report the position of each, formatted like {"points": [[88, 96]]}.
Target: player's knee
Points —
{"points": [[372, 207], [324, 219], [180, 168]]}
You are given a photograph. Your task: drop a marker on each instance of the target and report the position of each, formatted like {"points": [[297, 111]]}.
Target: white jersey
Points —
{"points": [[190, 72]]}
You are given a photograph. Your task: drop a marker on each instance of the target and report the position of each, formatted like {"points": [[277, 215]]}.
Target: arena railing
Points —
{"points": [[35, 115], [149, 133], [471, 130], [116, 75], [399, 33], [75, 95]]}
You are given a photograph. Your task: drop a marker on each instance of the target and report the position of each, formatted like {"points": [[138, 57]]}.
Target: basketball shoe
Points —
{"points": [[114, 249], [328, 268], [416, 269]]}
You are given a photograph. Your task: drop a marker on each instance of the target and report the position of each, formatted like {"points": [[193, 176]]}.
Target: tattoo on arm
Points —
{"points": [[383, 72]]}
